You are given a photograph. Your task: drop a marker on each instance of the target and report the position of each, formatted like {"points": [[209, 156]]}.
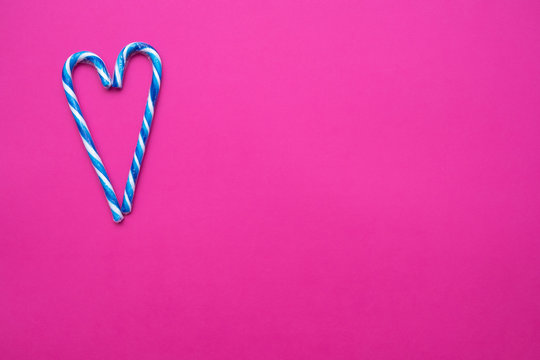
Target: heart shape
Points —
{"points": [[99, 65]]}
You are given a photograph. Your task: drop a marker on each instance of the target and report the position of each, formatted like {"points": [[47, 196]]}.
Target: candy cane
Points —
{"points": [[67, 82], [121, 62]]}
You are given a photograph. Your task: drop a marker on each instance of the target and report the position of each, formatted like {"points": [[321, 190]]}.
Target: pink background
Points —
{"points": [[324, 180]]}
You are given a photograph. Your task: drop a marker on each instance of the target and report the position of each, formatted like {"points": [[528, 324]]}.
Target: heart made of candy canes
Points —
{"points": [[121, 62]]}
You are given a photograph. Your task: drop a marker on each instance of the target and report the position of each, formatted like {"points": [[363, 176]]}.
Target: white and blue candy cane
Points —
{"points": [[67, 82], [121, 62]]}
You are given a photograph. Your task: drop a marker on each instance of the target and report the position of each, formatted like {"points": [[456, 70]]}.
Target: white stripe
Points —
{"points": [[157, 76], [103, 75], [102, 177], [150, 105], [131, 181], [118, 77], [115, 209], [76, 113], [137, 161], [126, 198], [91, 151], [84, 55], [79, 117], [153, 52], [69, 91], [141, 143], [117, 68], [145, 123]]}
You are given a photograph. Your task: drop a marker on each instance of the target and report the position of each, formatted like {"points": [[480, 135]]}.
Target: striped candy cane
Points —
{"points": [[121, 62], [67, 81]]}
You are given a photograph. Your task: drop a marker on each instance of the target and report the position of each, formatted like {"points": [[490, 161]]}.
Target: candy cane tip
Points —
{"points": [[119, 220]]}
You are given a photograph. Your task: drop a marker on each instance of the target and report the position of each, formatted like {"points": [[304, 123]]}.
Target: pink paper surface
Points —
{"points": [[324, 180]]}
